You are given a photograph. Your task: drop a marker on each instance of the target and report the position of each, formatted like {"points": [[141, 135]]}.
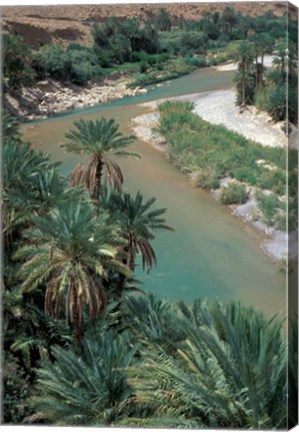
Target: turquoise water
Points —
{"points": [[211, 253], [198, 81]]}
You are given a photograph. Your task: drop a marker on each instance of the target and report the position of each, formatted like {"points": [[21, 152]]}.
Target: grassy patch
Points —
{"points": [[196, 145], [234, 193], [269, 205]]}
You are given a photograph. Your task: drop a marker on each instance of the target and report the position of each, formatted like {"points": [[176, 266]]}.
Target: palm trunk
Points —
{"points": [[131, 255], [97, 186], [243, 89], [132, 261], [122, 277], [257, 83], [77, 320]]}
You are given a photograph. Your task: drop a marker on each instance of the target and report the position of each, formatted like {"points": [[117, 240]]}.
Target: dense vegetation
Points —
{"points": [[212, 152], [274, 91], [268, 91], [83, 345], [160, 49], [80, 348]]}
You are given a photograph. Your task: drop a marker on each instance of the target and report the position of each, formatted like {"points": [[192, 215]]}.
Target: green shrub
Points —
{"points": [[212, 62], [234, 193], [160, 66], [82, 63], [52, 61], [195, 61], [143, 66], [247, 175], [81, 73], [274, 180], [289, 215], [193, 41], [276, 105], [140, 79], [262, 99], [207, 179], [268, 204], [103, 56], [17, 59]]}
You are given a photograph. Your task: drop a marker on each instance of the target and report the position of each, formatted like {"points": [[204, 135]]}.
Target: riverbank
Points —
{"points": [[218, 107], [50, 97], [275, 243], [233, 66]]}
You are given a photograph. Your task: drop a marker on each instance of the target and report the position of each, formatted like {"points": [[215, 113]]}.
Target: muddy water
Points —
{"points": [[210, 254]]}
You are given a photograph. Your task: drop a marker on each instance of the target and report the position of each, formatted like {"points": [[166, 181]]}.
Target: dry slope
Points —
{"points": [[63, 24]]}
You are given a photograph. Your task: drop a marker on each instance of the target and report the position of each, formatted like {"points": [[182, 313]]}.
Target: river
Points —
{"points": [[211, 254]]}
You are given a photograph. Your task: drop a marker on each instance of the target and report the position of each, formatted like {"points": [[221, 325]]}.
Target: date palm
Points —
{"points": [[138, 223], [280, 58], [86, 386], [244, 57], [31, 185], [98, 139], [286, 60], [229, 372], [262, 44], [20, 169], [70, 252]]}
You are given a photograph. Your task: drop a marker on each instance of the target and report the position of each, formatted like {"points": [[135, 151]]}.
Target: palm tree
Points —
{"points": [[71, 252], [229, 372], [86, 386], [152, 319], [244, 57], [262, 44], [98, 139], [21, 167], [286, 60], [138, 223], [280, 58], [31, 185]]}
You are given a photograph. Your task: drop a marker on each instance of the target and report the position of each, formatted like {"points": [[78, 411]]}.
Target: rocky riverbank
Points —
{"points": [[50, 97], [276, 244]]}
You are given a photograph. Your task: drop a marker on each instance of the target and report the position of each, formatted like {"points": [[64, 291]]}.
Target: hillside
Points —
{"points": [[39, 25]]}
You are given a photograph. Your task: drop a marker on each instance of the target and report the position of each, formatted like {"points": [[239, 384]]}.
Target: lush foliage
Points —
{"points": [[117, 41], [98, 139], [174, 366], [16, 58], [131, 47], [86, 385], [197, 146], [78, 349], [221, 374], [62, 259], [210, 152], [277, 91], [234, 193]]}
